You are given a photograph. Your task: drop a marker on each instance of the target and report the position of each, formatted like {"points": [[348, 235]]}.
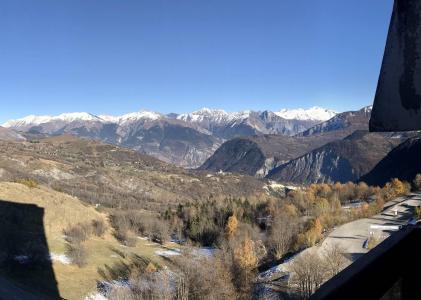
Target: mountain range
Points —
{"points": [[339, 161], [257, 155], [186, 140], [290, 146]]}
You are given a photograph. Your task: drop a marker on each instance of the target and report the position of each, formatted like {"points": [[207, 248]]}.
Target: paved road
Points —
{"points": [[352, 236]]}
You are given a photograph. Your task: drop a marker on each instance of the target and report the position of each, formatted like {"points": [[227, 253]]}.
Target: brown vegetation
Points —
{"points": [[77, 254], [77, 234], [31, 183], [311, 269]]}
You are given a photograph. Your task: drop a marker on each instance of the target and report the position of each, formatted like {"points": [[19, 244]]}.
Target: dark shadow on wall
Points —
{"points": [[26, 270]]}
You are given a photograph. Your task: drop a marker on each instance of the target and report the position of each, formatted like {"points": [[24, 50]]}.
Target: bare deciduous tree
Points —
{"points": [[282, 235], [334, 260], [309, 272]]}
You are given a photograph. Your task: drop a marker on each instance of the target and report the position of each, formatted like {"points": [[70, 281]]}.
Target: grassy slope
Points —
{"points": [[117, 177], [60, 211]]}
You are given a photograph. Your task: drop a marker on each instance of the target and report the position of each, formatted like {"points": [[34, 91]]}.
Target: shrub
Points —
{"points": [[98, 227], [30, 183], [78, 233], [203, 278], [125, 237], [77, 254], [159, 231]]}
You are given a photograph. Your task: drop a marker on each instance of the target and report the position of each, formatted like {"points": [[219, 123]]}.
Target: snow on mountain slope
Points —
{"points": [[314, 114], [204, 115], [186, 139], [29, 120], [38, 120], [33, 120], [350, 120], [131, 117], [217, 116]]}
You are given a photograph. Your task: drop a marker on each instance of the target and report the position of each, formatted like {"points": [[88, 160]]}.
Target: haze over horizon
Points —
{"points": [[107, 57]]}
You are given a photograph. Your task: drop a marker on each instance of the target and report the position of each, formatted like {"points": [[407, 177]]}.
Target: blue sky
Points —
{"points": [[110, 56]]}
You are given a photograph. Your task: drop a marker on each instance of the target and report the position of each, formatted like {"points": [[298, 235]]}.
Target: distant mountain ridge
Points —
{"points": [[314, 113], [186, 140], [339, 161], [257, 156], [346, 121]]}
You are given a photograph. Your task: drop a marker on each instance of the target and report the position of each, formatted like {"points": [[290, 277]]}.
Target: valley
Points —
{"points": [[186, 140], [115, 219]]}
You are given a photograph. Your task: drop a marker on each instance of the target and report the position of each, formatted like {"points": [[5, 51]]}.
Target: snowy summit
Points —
{"points": [[217, 116], [312, 114], [204, 115]]}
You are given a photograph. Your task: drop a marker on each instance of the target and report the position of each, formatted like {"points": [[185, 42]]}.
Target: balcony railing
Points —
{"points": [[392, 270]]}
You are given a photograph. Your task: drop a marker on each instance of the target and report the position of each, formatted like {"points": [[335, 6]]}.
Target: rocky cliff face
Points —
{"points": [[257, 155], [343, 124], [343, 160]]}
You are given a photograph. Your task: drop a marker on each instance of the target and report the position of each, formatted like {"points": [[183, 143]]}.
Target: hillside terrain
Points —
{"points": [[402, 162], [10, 135], [342, 124], [186, 140], [339, 161], [258, 155], [52, 184], [117, 177], [43, 232]]}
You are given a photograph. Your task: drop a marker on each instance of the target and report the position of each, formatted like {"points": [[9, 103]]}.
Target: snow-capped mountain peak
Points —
{"points": [[28, 120], [77, 116], [218, 116], [136, 116], [312, 114], [131, 117], [33, 120]]}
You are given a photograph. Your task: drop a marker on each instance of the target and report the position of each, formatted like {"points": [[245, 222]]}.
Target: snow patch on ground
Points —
{"points": [[60, 258], [168, 252], [95, 296], [205, 252], [269, 273]]}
